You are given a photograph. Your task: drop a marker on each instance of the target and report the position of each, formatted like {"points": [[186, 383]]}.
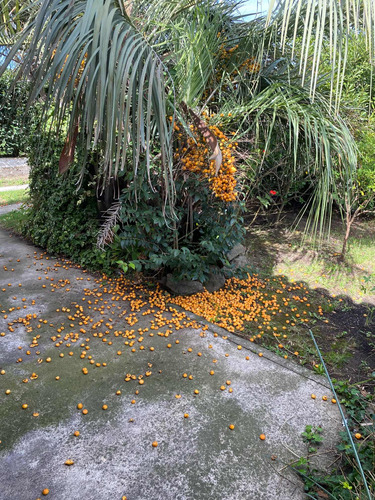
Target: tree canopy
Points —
{"points": [[126, 77]]}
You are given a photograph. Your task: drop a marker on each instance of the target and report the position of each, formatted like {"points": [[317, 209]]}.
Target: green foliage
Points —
{"points": [[335, 487], [368, 285], [359, 78], [200, 54], [357, 108], [188, 248], [354, 88], [322, 28], [350, 396], [15, 117], [366, 170], [345, 482], [312, 436], [319, 369], [175, 54], [292, 135], [125, 266], [14, 14], [63, 218], [77, 46]]}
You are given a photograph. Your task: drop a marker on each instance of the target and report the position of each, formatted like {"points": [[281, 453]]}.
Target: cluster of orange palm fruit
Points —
{"points": [[250, 65], [196, 157]]}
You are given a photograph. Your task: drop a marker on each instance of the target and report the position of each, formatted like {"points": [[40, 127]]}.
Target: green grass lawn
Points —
{"points": [[282, 252], [11, 197], [14, 220], [14, 181]]}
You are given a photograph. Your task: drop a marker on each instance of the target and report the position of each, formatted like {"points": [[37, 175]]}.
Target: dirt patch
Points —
{"points": [[349, 340]]}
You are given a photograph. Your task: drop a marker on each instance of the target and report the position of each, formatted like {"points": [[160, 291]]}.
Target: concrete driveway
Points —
{"points": [[154, 375]]}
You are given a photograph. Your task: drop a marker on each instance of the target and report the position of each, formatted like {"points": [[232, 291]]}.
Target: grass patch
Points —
{"points": [[11, 197], [14, 220], [341, 297], [14, 181], [283, 252]]}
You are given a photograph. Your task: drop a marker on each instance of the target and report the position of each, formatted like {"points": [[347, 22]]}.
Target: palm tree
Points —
{"points": [[116, 71], [318, 26]]}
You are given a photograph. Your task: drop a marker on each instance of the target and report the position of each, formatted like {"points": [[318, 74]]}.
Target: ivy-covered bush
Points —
{"points": [[15, 117], [63, 217], [66, 215]]}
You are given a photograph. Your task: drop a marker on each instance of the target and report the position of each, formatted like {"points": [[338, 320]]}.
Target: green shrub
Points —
{"points": [[190, 245], [63, 217], [366, 167], [15, 118], [67, 213]]}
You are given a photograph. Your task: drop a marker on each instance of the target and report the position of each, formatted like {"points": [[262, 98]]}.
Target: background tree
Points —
{"points": [[183, 95]]}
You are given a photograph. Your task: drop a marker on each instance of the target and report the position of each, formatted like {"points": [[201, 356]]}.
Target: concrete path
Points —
{"points": [[9, 208], [13, 188], [150, 365], [13, 162]]}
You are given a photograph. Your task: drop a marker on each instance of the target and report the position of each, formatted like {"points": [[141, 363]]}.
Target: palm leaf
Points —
{"points": [[306, 124], [96, 65], [13, 16], [111, 218], [312, 23]]}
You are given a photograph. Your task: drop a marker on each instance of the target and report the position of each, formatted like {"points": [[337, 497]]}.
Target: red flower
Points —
{"points": [[272, 192]]}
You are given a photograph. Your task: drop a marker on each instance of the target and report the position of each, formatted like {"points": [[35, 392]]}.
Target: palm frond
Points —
{"points": [[314, 23], [13, 16], [95, 64], [327, 140], [111, 218]]}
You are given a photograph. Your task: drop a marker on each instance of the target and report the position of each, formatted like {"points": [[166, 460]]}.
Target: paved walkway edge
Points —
{"points": [[14, 188], [254, 348]]}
